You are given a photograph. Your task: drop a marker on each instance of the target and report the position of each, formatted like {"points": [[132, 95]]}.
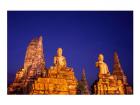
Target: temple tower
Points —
{"points": [[34, 59], [34, 67], [118, 71], [83, 84]]}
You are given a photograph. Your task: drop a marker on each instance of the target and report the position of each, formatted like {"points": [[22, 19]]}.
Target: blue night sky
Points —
{"points": [[81, 34]]}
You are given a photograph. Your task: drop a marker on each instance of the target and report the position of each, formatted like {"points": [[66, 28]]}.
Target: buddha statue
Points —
{"points": [[103, 68], [59, 59]]}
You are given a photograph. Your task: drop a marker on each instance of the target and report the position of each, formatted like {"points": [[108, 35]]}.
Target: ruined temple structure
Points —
{"points": [[34, 78], [60, 79], [119, 74], [115, 83], [83, 87], [34, 67]]}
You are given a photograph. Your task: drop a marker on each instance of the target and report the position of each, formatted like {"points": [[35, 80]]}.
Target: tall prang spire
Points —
{"points": [[34, 54], [117, 69], [34, 67]]}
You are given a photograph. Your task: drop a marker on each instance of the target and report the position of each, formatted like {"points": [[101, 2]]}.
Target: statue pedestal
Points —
{"points": [[58, 81], [108, 85]]}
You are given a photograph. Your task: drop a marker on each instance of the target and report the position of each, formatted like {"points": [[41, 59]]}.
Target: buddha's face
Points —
{"points": [[101, 57], [59, 52]]}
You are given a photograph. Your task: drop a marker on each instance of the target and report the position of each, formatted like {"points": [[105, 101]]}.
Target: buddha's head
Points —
{"points": [[59, 52], [101, 57]]}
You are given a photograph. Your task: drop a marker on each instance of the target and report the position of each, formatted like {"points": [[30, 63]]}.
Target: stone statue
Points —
{"points": [[59, 59], [103, 68]]}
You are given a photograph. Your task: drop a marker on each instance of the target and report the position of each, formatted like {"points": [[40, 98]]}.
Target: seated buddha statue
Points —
{"points": [[59, 59]]}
